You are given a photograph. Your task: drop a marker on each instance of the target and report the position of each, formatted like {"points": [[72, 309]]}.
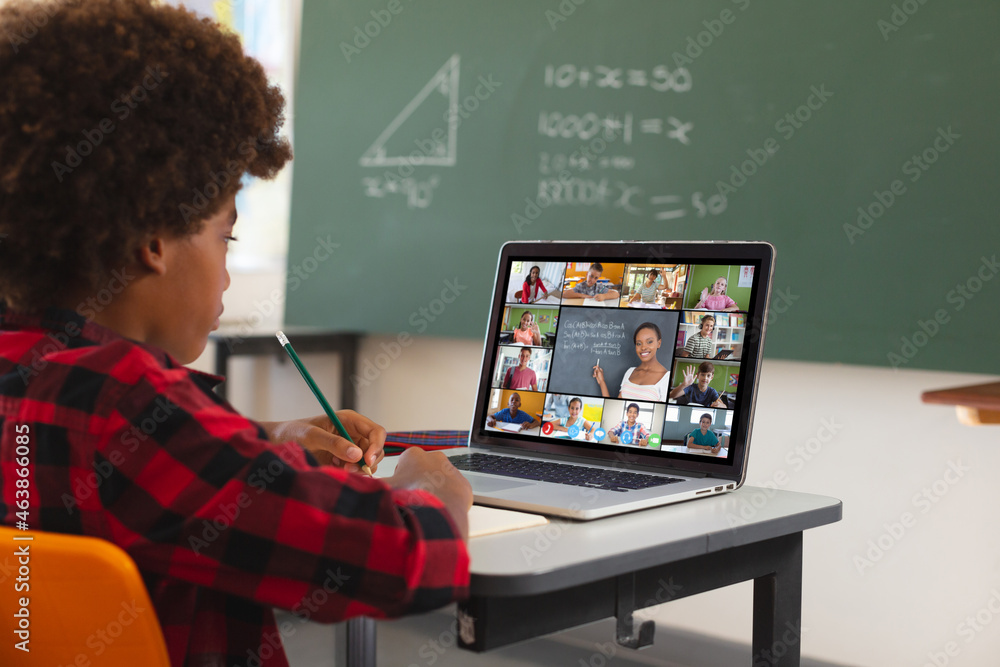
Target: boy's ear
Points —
{"points": [[152, 255]]}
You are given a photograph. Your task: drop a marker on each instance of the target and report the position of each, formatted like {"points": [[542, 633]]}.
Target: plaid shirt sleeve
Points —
{"points": [[196, 493]]}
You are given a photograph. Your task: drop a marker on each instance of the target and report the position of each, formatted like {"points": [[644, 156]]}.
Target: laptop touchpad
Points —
{"points": [[489, 484]]}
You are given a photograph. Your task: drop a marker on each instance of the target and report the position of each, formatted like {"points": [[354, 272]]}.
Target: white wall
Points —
{"points": [[855, 433]]}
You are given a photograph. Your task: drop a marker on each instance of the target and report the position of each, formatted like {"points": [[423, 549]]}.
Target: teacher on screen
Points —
{"points": [[649, 381]]}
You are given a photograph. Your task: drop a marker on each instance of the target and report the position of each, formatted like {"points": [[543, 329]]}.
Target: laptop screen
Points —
{"points": [[646, 356]]}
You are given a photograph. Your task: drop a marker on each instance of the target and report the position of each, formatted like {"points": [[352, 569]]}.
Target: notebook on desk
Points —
{"points": [[593, 421]]}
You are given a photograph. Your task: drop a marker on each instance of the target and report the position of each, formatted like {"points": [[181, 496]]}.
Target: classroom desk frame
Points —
{"points": [[344, 344], [775, 566], [517, 606]]}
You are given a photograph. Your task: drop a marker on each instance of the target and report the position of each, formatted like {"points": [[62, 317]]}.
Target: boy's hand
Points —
{"points": [[689, 376], [433, 472], [319, 436]]}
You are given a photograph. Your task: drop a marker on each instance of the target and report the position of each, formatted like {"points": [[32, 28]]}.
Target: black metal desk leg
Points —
{"points": [[777, 608], [348, 370], [222, 366], [360, 642]]}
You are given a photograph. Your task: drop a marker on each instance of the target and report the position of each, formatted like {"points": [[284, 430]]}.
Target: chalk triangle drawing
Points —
{"points": [[441, 154]]}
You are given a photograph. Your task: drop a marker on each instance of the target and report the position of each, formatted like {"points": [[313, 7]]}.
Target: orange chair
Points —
{"points": [[86, 604]]}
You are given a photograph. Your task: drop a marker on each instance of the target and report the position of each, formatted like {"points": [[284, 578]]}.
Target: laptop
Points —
{"points": [[617, 376]]}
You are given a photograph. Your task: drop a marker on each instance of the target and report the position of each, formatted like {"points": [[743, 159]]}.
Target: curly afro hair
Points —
{"points": [[118, 119]]}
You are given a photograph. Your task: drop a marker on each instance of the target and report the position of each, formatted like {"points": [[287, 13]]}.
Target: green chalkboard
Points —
{"points": [[858, 137]]}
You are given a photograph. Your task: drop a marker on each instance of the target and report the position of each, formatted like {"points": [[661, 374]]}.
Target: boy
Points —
{"points": [[702, 438], [512, 414], [113, 237], [589, 288], [636, 432], [701, 393]]}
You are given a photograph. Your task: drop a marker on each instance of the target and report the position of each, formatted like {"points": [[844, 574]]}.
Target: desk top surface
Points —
{"points": [[565, 553]]}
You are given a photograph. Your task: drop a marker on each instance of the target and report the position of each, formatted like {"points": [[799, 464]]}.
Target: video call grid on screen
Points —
{"points": [[573, 318]]}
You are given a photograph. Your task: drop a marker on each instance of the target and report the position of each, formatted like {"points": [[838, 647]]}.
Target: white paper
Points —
{"points": [[508, 426]]}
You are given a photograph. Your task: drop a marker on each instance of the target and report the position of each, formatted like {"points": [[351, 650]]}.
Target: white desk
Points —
{"points": [[527, 431], [564, 435], [536, 581]]}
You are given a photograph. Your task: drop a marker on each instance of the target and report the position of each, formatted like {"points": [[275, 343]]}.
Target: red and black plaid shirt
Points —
{"points": [[127, 445]]}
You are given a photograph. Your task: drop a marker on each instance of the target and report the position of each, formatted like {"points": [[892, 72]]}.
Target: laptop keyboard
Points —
{"points": [[559, 473]]}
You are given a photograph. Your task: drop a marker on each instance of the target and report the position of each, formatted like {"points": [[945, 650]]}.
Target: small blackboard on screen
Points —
{"points": [[588, 334]]}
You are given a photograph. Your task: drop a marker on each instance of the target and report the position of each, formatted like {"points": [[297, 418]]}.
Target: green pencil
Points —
{"points": [[283, 339]]}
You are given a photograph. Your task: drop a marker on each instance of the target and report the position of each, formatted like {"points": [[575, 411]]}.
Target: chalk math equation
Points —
{"points": [[601, 338], [615, 194], [588, 125], [574, 177], [660, 78], [594, 347]]}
